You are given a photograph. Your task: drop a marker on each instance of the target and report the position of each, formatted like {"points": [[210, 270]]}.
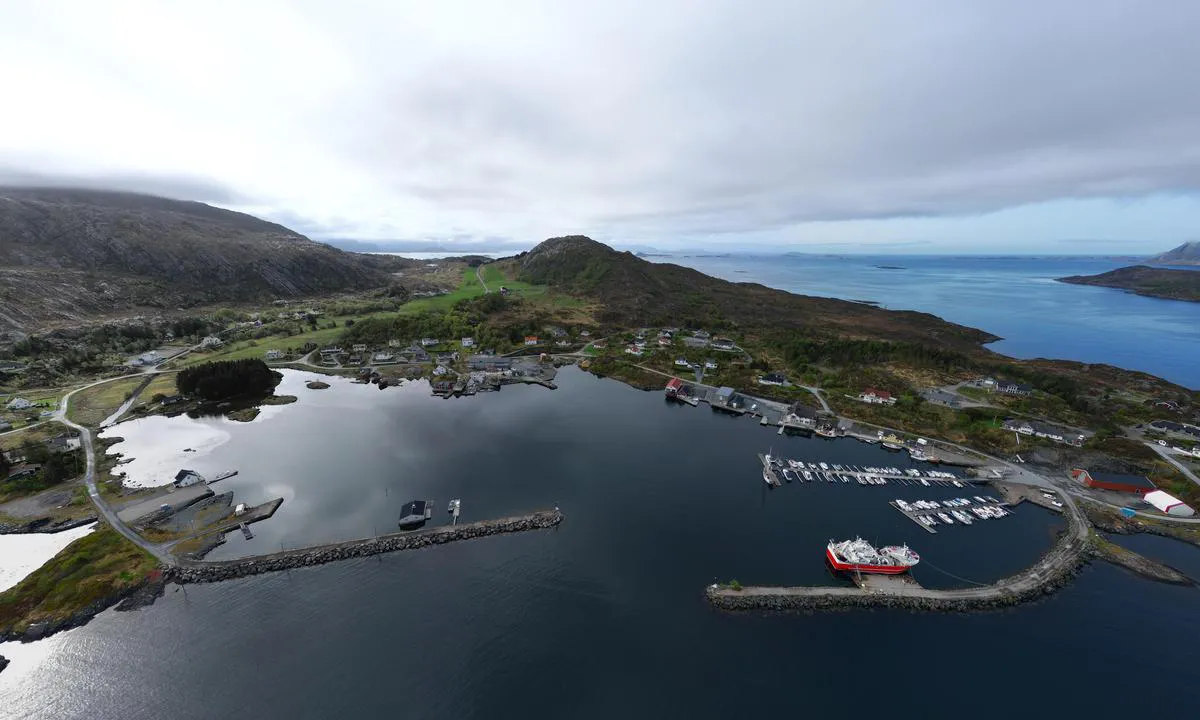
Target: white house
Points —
{"points": [[395, 343], [428, 342], [274, 354], [710, 365], [772, 379], [18, 404], [682, 362], [468, 342], [212, 341], [186, 478], [358, 347], [440, 370], [384, 357], [531, 339], [585, 333], [877, 397]]}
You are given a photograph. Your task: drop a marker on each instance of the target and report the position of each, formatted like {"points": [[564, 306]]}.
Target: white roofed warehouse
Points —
{"points": [[1168, 504]]}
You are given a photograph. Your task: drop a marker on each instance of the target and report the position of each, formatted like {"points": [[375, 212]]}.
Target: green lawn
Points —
{"points": [[89, 407]]}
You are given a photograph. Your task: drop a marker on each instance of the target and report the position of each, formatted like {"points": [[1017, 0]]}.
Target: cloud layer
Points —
{"points": [[654, 122]]}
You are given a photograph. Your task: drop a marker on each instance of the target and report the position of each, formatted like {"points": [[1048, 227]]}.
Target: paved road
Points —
{"points": [[89, 477], [1166, 455], [820, 397]]}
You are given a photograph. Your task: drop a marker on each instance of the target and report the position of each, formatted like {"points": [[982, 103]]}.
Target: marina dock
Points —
{"points": [[836, 473], [914, 513]]}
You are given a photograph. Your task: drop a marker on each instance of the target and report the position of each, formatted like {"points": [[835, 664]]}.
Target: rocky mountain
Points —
{"points": [[633, 291], [1149, 281], [67, 255], [1186, 254]]}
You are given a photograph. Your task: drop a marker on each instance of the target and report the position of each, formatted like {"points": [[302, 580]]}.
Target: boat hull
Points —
{"points": [[843, 566]]}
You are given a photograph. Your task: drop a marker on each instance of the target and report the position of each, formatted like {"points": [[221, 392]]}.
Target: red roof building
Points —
{"points": [[1113, 481], [673, 386]]}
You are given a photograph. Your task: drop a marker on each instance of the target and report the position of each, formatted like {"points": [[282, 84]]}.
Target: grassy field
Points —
{"points": [[87, 570], [89, 407]]}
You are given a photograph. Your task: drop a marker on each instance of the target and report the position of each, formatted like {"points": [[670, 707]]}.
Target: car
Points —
{"points": [[1162, 442]]}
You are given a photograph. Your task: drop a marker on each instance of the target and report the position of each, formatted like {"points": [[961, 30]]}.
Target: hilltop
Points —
{"points": [[635, 292], [1186, 254], [69, 255], [1148, 281]]}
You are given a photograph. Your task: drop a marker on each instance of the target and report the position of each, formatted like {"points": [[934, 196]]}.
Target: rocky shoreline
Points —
{"points": [[1137, 564], [127, 598], [216, 571], [3, 663]]}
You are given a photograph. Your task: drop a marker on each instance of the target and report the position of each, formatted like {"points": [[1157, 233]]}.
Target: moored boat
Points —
{"points": [[860, 556]]}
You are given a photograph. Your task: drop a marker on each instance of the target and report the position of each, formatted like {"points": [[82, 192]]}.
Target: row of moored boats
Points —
{"points": [[798, 471], [946, 512]]}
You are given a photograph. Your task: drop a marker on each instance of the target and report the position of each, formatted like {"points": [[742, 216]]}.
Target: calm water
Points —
{"points": [[1016, 298], [602, 617]]}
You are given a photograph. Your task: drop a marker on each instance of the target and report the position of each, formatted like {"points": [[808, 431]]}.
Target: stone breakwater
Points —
{"points": [[1054, 571], [3, 663], [216, 571]]}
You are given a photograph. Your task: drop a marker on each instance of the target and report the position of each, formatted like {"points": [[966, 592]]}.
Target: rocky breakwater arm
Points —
{"points": [[202, 571], [1056, 568]]}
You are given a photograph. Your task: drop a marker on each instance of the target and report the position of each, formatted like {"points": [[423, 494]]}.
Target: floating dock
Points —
{"points": [[848, 473], [914, 513], [772, 478], [223, 476]]}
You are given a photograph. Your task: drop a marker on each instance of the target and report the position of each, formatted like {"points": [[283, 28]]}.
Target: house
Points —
{"points": [[441, 370], [274, 354], [701, 335], [772, 379], [531, 339], [394, 343], [62, 443], [23, 472], [355, 359], [722, 344], [557, 331], [682, 362], [674, 385], [710, 365], [187, 478], [335, 350], [416, 354], [1008, 387], [18, 404], [1117, 482], [212, 341], [1168, 504], [801, 414], [468, 342], [149, 358], [723, 395], [600, 345], [358, 348], [1167, 405], [384, 357], [429, 342], [634, 350], [171, 400], [877, 397], [445, 358], [664, 341], [585, 333], [563, 343]]}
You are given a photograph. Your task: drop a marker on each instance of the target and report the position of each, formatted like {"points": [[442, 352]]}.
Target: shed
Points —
{"points": [[1114, 481], [1169, 504], [724, 394]]}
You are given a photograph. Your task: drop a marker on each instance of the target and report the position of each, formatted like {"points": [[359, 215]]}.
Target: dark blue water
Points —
{"points": [[602, 617], [1016, 298]]}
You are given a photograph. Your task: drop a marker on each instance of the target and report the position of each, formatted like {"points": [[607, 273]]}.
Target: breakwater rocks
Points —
{"points": [[216, 571], [1056, 570], [3, 663], [1147, 568], [44, 525]]}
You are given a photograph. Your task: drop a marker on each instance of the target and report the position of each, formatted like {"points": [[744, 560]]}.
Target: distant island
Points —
{"points": [[1144, 280], [1186, 254]]}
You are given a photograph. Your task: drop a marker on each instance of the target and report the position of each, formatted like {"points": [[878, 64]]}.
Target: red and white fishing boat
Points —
{"points": [[858, 555]]}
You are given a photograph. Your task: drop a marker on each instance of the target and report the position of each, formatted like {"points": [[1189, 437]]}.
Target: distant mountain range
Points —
{"points": [[1186, 254], [69, 255]]}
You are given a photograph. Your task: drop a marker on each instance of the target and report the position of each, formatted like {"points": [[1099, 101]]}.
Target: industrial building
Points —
{"points": [[1114, 481], [1168, 504]]}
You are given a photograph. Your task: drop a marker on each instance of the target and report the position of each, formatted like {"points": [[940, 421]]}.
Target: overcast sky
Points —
{"points": [[917, 125]]}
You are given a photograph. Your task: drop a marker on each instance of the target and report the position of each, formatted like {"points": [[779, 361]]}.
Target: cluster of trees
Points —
{"points": [[474, 317], [55, 468], [227, 379], [847, 352]]}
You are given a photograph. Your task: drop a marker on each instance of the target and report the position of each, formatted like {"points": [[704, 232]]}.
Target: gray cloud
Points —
{"points": [[661, 120], [178, 187]]}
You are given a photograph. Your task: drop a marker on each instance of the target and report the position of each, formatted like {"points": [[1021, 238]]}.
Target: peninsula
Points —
{"points": [[1144, 280]]}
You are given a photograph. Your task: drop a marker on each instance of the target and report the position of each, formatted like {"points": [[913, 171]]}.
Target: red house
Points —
{"points": [[1114, 481], [673, 386]]}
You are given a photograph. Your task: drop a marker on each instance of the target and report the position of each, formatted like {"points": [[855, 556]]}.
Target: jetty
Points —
{"points": [[202, 571], [1053, 571]]}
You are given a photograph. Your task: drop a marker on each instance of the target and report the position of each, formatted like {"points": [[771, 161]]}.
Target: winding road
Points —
{"points": [[479, 274]]}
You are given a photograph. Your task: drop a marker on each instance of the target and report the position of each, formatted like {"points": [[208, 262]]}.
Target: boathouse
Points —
{"points": [[186, 478], [1114, 481]]}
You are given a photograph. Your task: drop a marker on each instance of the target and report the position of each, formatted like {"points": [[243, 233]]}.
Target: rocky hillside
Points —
{"points": [[637, 292], [1143, 280], [1186, 254], [67, 255]]}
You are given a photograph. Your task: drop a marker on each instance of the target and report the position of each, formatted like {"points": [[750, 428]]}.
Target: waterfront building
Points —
{"points": [[1117, 482]]}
